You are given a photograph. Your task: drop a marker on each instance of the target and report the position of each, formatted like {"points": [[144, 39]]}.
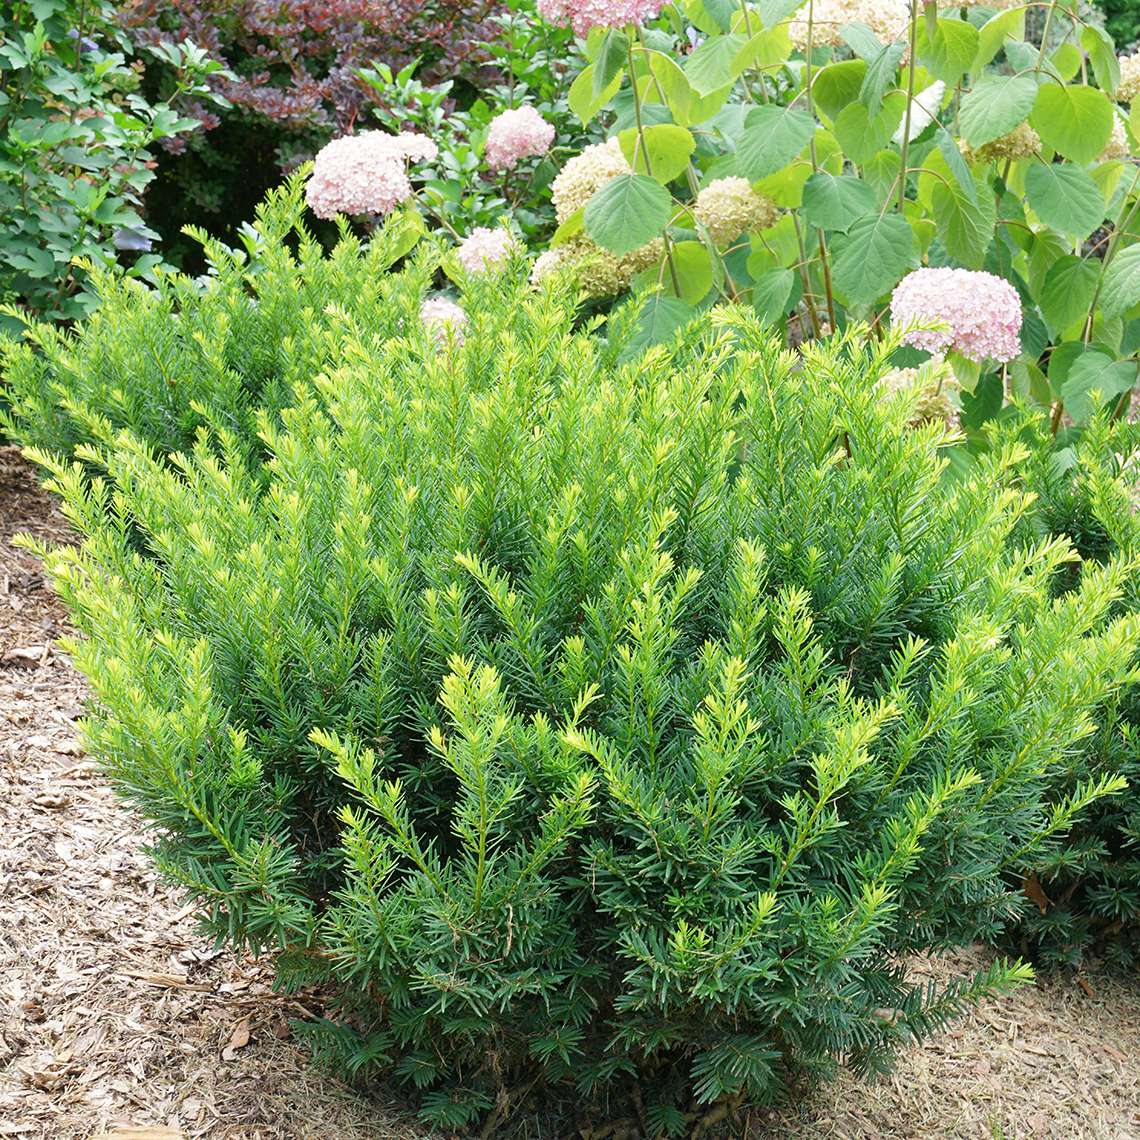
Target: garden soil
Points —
{"points": [[118, 1020]]}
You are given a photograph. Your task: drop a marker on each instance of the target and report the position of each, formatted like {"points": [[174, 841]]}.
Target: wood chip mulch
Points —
{"points": [[118, 1020]]}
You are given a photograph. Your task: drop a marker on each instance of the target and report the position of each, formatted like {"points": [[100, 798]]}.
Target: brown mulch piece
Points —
{"points": [[118, 1020]]}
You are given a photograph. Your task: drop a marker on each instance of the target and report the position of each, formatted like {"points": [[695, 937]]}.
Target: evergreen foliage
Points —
{"points": [[572, 720]]}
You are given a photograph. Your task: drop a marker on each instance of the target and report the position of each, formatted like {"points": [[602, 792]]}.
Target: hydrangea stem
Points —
{"points": [[909, 101], [825, 263], [643, 147]]}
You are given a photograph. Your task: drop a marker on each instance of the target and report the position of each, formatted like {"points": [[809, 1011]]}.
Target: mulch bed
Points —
{"points": [[116, 1019]]}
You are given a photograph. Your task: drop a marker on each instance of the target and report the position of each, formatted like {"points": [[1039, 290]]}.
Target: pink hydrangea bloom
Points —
{"points": [[444, 319], [365, 173], [980, 314], [517, 134], [484, 249], [582, 15]]}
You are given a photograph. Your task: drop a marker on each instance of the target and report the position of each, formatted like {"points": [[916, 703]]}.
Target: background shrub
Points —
{"points": [[75, 150], [582, 721]]}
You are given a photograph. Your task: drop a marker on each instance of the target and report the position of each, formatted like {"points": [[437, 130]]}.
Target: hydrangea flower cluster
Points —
{"points": [[727, 207], [365, 173], [485, 249], [1117, 145], [888, 19], [1022, 142], [582, 15], [514, 135], [596, 271], [937, 393], [979, 314], [1129, 88], [584, 174], [444, 319]]}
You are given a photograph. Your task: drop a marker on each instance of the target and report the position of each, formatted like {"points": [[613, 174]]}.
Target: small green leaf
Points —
{"points": [[772, 137], [1008, 25], [996, 105], [834, 201], [1065, 198], [668, 147], [875, 254], [1121, 288], [1075, 121]]}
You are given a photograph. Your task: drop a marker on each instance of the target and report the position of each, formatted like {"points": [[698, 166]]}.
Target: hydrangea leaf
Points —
{"points": [[863, 136], [949, 51], [1075, 121], [772, 294], [1065, 198], [995, 105], [1067, 291], [882, 72], [627, 212], [835, 86], [1007, 25], [773, 12], [582, 99], [833, 201], [667, 147], [1095, 371], [714, 63], [693, 265], [1121, 288], [875, 254], [772, 137], [659, 318], [765, 49], [965, 225], [1102, 55]]}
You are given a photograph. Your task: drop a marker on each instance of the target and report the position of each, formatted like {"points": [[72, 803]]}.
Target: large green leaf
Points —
{"points": [[1007, 25], [714, 63], [1095, 371], [693, 265], [668, 146], [1121, 288], [965, 225], [834, 201], [950, 50], [1065, 198], [583, 102], [610, 59], [1067, 291], [882, 74], [996, 105], [772, 294], [659, 318], [875, 254], [627, 212], [772, 137], [1075, 121], [837, 84], [863, 136], [1102, 55]]}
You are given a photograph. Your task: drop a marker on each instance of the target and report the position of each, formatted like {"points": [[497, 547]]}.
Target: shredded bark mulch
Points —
{"points": [[118, 1020]]}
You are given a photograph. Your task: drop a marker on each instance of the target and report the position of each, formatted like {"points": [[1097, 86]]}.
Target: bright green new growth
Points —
{"points": [[581, 721]]}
